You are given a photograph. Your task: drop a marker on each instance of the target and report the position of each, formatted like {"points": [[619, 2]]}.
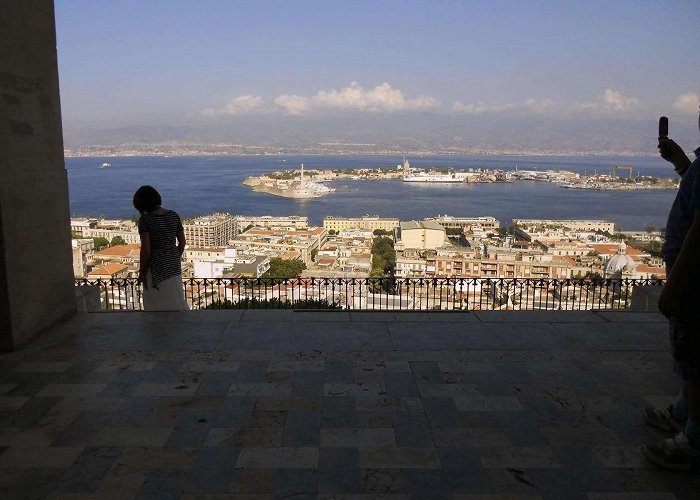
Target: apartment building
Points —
{"points": [[298, 242], [497, 265], [343, 255], [210, 231], [123, 254], [467, 224], [572, 225], [368, 223], [231, 261], [272, 222], [423, 235], [126, 229]]}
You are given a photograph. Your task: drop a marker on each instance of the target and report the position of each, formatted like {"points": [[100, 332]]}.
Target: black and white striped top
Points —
{"points": [[162, 229]]}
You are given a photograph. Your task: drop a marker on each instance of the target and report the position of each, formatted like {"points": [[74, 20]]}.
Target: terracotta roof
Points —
{"points": [[567, 259], [109, 269], [646, 269], [120, 251], [611, 249]]}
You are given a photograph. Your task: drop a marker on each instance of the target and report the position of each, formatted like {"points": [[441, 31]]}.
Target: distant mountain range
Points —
{"points": [[417, 131]]}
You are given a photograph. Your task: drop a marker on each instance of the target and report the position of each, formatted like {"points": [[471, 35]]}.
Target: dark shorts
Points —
{"points": [[685, 347]]}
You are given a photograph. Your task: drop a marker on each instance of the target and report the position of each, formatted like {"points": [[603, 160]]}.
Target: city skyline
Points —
{"points": [[350, 71]]}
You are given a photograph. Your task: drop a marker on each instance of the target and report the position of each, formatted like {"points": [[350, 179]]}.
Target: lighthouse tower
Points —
{"points": [[301, 179], [406, 167]]}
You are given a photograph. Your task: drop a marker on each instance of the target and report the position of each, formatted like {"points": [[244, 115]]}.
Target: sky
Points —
{"points": [[197, 63]]}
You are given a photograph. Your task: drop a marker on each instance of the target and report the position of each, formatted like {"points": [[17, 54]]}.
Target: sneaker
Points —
{"points": [[661, 418], [673, 453]]}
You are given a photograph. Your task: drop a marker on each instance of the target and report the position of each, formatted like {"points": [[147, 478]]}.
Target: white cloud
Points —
{"points": [[687, 103], [611, 100], [480, 107], [382, 98], [617, 101], [293, 104], [241, 105]]}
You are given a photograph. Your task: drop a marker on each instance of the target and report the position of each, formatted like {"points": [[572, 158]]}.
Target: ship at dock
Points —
{"points": [[449, 178]]}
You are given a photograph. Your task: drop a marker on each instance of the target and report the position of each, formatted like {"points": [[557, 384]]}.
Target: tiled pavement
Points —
{"points": [[283, 404]]}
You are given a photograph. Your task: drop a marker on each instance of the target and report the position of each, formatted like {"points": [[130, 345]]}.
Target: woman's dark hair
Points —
{"points": [[146, 198]]}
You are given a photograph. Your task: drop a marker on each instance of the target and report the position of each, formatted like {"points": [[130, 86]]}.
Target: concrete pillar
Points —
{"points": [[36, 281]]}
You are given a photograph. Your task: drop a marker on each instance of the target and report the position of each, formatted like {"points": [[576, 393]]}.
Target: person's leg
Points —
{"points": [[670, 418], [692, 426], [682, 452], [679, 408]]}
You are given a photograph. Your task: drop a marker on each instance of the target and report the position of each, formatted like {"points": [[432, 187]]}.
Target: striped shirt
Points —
{"points": [[162, 229]]}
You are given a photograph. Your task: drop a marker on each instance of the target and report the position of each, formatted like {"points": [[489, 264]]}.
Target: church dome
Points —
{"points": [[620, 262]]}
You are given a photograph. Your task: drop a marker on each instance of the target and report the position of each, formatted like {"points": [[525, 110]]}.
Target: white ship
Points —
{"points": [[105, 165], [454, 177], [451, 178]]}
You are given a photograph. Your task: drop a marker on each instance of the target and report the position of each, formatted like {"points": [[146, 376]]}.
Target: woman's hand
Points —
{"points": [[142, 279]]}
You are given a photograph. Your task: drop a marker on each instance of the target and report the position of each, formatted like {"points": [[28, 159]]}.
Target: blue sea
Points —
{"points": [[202, 185]]}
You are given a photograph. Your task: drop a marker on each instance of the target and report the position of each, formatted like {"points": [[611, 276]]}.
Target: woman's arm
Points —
{"points": [[181, 242], [144, 256]]}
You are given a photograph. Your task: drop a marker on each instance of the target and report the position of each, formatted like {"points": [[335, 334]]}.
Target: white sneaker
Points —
{"points": [[661, 418], [673, 453]]}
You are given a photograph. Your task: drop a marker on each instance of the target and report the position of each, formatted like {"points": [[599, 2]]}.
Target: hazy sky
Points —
{"points": [[136, 62]]}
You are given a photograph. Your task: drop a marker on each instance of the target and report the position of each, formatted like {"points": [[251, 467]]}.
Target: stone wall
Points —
{"points": [[35, 251]]}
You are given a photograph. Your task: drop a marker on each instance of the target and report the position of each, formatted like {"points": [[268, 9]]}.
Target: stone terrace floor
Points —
{"points": [[284, 404]]}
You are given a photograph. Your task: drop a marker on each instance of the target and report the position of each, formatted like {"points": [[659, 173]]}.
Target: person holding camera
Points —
{"points": [[680, 303]]}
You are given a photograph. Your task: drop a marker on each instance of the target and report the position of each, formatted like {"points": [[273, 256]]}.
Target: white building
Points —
{"points": [[126, 229], [466, 223], [232, 262], [271, 221], [570, 224], [425, 235], [367, 223], [215, 230]]}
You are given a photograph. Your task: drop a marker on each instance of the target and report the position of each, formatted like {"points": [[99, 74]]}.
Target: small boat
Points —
{"points": [[105, 165]]}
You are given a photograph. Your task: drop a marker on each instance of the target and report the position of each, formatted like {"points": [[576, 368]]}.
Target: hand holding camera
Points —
{"points": [[669, 150]]}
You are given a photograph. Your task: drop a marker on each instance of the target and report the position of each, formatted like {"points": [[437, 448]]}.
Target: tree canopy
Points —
{"points": [[100, 242], [383, 255], [284, 268]]}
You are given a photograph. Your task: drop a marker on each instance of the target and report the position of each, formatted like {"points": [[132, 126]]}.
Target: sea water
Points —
{"points": [[202, 185]]}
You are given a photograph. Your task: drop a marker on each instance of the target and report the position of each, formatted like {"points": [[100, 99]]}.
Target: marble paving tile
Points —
{"points": [[357, 437], [519, 457], [9, 403], [40, 456], [390, 457], [473, 406], [278, 458], [132, 436], [43, 366], [72, 390], [470, 437], [126, 366], [495, 403], [358, 390], [178, 389]]}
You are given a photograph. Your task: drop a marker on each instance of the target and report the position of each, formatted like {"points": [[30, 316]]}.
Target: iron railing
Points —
{"points": [[404, 294]]}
